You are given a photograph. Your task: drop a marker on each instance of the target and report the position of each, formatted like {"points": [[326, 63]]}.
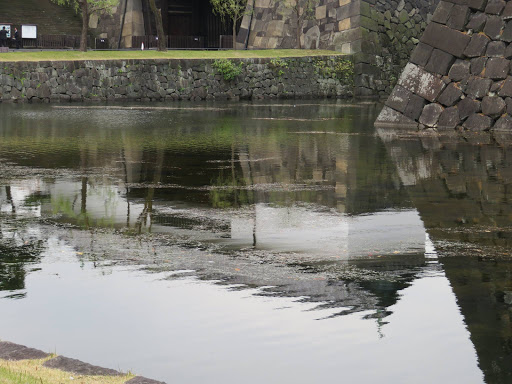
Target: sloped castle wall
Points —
{"points": [[459, 74]]}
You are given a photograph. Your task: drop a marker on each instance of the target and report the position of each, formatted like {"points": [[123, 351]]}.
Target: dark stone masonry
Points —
{"points": [[194, 79], [381, 34], [459, 75]]}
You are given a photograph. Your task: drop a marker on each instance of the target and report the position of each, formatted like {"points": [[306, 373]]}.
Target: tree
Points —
{"points": [[303, 10], [233, 10], [162, 45], [87, 8]]}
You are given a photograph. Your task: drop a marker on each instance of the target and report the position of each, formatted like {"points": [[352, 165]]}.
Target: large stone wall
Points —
{"points": [[304, 77], [126, 20], [270, 24], [389, 32], [381, 34], [459, 74]]}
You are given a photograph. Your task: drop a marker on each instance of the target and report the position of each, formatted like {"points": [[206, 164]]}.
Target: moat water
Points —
{"points": [[284, 242]]}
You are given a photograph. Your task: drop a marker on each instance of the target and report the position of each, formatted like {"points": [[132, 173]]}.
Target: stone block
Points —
{"points": [[494, 7], [343, 25], [508, 52], [458, 17], [442, 12], [450, 95], [399, 98], [507, 32], [430, 115], [477, 22], [459, 70], [478, 87], [495, 49], [449, 118], [506, 88], [440, 62], [353, 8], [421, 82], [414, 107], [477, 4], [478, 65], [507, 12], [389, 116], [493, 106], [504, 123], [493, 27], [275, 28], [421, 54], [496, 86], [447, 39], [468, 107], [321, 12], [477, 45], [497, 68], [478, 122]]}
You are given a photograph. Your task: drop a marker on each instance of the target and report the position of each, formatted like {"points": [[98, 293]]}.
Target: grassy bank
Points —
{"points": [[116, 55], [33, 372]]}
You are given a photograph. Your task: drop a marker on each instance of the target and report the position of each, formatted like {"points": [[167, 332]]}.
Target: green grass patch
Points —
{"points": [[33, 372], [124, 55]]}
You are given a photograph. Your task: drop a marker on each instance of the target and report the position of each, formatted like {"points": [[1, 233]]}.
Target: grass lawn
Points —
{"points": [[151, 54], [33, 372]]}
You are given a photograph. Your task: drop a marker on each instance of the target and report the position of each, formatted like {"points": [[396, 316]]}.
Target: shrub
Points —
{"points": [[227, 68]]}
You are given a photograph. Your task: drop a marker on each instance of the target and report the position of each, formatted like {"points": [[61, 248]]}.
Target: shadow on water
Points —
{"points": [[461, 187], [297, 200]]}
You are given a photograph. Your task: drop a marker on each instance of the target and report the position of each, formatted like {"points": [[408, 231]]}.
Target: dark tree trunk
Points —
{"points": [[162, 44], [85, 25], [299, 27], [299, 45], [234, 34]]}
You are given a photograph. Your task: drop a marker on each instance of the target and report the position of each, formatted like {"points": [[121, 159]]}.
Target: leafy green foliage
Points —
{"points": [[339, 68], [233, 10], [229, 9], [93, 5], [227, 68], [278, 65]]}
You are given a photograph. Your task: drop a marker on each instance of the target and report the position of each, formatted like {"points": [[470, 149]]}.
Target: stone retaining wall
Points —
{"points": [[460, 74], [380, 33], [145, 80], [389, 32]]}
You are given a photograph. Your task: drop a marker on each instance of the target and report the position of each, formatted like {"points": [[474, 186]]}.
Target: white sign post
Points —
{"points": [[29, 31]]}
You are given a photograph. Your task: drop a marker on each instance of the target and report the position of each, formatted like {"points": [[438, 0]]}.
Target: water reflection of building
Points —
{"points": [[269, 191]]}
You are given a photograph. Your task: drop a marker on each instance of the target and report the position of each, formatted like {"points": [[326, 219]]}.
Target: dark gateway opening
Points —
{"points": [[189, 24]]}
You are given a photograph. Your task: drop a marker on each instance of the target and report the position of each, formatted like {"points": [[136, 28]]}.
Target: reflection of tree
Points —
{"points": [[154, 170], [17, 248], [14, 259]]}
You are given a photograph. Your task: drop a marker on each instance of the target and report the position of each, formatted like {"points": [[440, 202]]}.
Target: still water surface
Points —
{"points": [[260, 242]]}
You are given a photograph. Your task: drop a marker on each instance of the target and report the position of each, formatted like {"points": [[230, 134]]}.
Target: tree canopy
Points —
{"points": [[87, 8], [232, 10]]}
